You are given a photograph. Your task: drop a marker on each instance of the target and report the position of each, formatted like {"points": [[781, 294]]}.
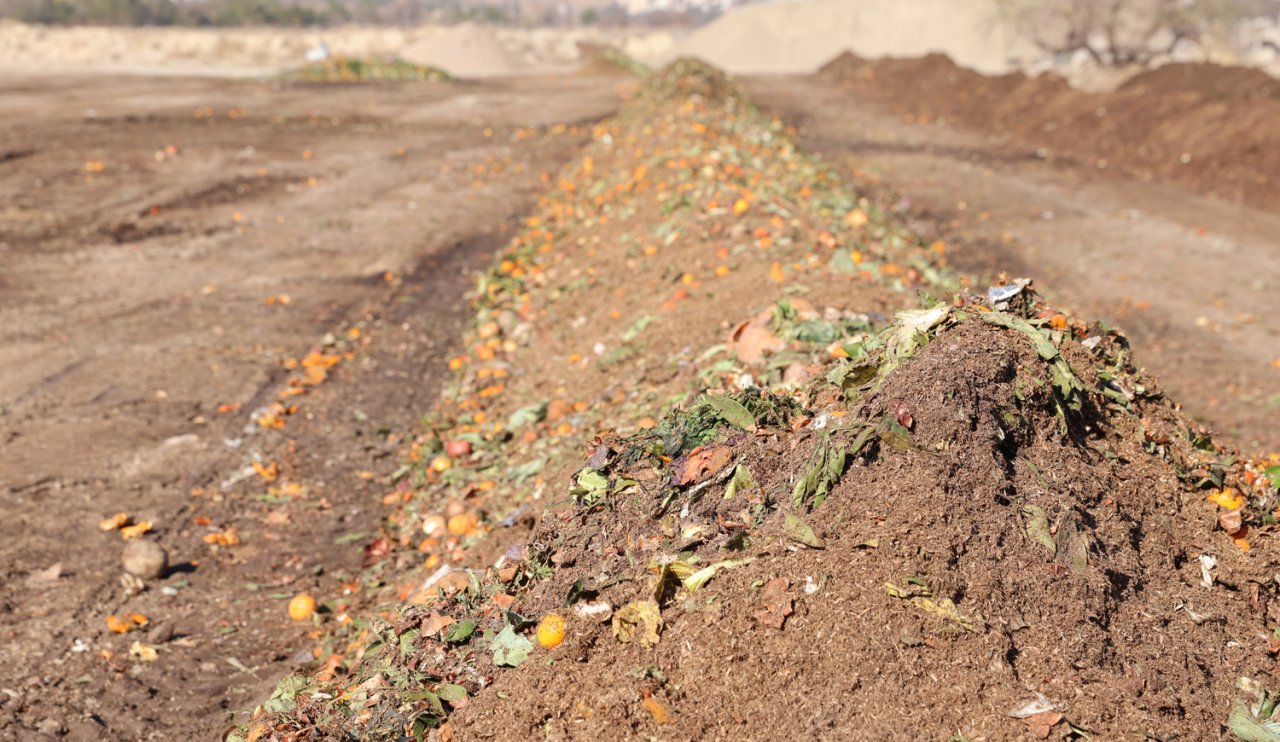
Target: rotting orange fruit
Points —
{"points": [[463, 524], [302, 607], [551, 631]]}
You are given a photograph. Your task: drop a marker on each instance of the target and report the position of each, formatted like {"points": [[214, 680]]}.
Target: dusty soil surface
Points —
{"points": [[175, 252], [1191, 278]]}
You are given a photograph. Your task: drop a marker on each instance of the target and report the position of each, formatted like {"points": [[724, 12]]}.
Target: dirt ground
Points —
{"points": [[178, 252], [1191, 278], [145, 315]]}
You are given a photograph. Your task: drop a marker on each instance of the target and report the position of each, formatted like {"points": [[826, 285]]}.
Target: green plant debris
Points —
{"points": [[741, 481], [702, 576], [733, 412], [344, 69], [1070, 389], [509, 648], [802, 533], [1038, 527], [823, 472]]}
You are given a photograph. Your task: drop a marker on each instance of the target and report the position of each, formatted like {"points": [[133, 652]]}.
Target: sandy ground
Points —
{"points": [[139, 300], [1190, 277]]}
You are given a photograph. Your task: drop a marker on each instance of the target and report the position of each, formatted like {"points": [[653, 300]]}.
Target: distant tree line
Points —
{"points": [[174, 12], [329, 12]]}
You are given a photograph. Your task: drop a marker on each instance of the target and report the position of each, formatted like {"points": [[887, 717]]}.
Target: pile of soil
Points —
{"points": [[1204, 126], [993, 569], [685, 427], [799, 36], [603, 59]]}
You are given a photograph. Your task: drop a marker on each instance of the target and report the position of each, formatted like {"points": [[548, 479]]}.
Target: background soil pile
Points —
{"points": [[1208, 127], [968, 522], [799, 36]]}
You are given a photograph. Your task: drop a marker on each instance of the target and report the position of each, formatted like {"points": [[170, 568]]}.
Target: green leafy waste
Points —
{"points": [[825, 467], [343, 69], [509, 648]]}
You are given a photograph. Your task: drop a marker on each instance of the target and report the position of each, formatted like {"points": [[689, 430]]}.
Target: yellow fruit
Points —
{"points": [[442, 463], [302, 607], [551, 631]]}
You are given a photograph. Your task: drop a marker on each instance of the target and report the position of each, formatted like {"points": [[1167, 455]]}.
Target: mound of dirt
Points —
{"points": [[1204, 126], [973, 541], [798, 37], [601, 59], [691, 482], [466, 51]]}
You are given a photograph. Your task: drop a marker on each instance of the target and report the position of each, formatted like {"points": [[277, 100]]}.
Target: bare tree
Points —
{"points": [[1124, 32]]}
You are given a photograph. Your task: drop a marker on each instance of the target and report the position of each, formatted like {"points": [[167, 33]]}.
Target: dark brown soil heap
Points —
{"points": [[1208, 127], [1005, 557]]}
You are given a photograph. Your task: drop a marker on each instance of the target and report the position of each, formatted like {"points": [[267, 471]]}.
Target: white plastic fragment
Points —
{"points": [[1207, 563], [1037, 706]]}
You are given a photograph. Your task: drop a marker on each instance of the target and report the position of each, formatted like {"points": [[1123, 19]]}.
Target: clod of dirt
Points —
{"points": [[145, 559]]}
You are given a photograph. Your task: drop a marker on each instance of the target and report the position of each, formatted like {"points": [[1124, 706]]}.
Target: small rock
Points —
{"points": [[160, 634], [145, 559], [45, 576], [51, 727]]}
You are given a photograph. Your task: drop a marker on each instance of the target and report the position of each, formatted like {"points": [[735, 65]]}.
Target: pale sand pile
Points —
{"points": [[802, 35], [464, 50]]}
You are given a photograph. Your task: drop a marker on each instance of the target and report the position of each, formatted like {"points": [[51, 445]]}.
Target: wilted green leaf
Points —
{"points": [[406, 642], [1038, 527], [510, 648], [741, 482], [1273, 474], [1069, 386], [850, 375], [909, 331], [284, 698], [634, 331], [699, 578], [518, 474], [461, 631], [895, 436], [527, 416], [733, 412], [797, 530], [451, 693], [825, 467], [1073, 546], [1249, 728], [592, 480]]}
